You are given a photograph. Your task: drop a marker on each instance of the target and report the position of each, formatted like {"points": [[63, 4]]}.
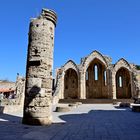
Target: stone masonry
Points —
{"points": [[38, 90], [112, 81], [18, 87]]}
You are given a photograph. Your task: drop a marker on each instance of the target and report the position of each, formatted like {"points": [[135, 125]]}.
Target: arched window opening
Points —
{"points": [[105, 78], [97, 78], [86, 75], [120, 81], [70, 84], [95, 73], [123, 84]]}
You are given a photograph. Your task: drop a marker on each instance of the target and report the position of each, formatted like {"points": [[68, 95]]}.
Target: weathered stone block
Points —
{"points": [[37, 112], [34, 82]]}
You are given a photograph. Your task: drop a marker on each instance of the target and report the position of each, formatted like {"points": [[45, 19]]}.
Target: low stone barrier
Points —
{"points": [[123, 104], [11, 108], [76, 104], [135, 107], [62, 109]]}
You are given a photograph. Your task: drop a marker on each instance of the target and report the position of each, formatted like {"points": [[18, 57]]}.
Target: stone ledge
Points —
{"points": [[62, 109], [124, 104], [10, 108], [135, 107]]}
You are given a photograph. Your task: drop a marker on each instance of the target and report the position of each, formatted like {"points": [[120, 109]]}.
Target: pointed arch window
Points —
{"points": [[95, 72], [120, 81], [105, 78], [86, 75]]}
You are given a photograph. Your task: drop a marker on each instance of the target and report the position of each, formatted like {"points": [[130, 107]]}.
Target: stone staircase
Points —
{"points": [[96, 101]]}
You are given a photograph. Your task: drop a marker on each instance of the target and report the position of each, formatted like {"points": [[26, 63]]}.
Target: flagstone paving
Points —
{"points": [[86, 122]]}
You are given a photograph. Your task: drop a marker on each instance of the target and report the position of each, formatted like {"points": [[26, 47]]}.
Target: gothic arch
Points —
{"points": [[95, 83], [123, 78], [91, 57], [122, 63], [71, 80], [72, 65]]}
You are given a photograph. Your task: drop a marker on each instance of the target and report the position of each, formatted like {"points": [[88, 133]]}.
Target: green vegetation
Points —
{"points": [[138, 67]]}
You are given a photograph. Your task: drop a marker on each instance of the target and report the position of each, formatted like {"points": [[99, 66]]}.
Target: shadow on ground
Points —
{"points": [[10, 118], [7, 117], [94, 125]]}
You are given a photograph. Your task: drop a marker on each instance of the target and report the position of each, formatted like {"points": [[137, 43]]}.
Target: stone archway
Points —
{"points": [[71, 84], [96, 80], [123, 84]]}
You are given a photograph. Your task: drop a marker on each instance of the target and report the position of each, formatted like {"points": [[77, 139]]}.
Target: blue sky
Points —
{"points": [[111, 27]]}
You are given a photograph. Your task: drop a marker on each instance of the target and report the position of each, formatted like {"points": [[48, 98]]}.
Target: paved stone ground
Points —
{"points": [[86, 122]]}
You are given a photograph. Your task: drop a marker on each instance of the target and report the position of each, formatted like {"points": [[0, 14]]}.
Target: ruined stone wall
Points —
{"points": [[58, 87], [138, 77], [136, 84], [19, 87], [7, 85], [97, 89]]}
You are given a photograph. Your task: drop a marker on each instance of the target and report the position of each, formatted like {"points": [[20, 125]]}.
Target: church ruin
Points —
{"points": [[97, 78]]}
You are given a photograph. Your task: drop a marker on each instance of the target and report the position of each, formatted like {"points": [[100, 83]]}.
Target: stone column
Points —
{"points": [[82, 85], [109, 84], [132, 84], [114, 85], [38, 90]]}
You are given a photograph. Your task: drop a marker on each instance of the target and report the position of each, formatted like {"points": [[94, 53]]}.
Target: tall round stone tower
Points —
{"points": [[38, 89]]}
